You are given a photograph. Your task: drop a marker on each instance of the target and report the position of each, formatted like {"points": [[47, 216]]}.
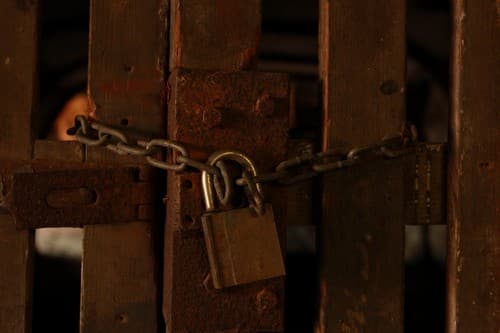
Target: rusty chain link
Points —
{"points": [[296, 169]]}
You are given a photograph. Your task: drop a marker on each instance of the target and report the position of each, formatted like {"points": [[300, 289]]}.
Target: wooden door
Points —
{"points": [[188, 71]]}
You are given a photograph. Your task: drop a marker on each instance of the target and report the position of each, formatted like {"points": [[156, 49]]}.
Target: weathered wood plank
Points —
{"points": [[16, 250], [474, 176], [363, 71], [191, 303], [18, 68], [18, 80], [119, 291], [58, 150], [221, 34], [210, 111], [361, 286], [126, 71]]}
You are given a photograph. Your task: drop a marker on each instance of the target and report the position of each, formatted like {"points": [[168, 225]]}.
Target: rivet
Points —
{"points": [[266, 300], [188, 221], [265, 105], [122, 318], [389, 87], [128, 68], [212, 118]]}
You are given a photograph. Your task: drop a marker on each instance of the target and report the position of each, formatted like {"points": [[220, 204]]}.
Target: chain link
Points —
{"points": [[297, 169]]}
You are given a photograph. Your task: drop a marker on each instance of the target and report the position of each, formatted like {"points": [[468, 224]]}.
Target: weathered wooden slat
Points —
{"points": [[16, 249], [58, 150], [474, 176], [126, 71], [209, 111], [119, 292], [228, 100], [362, 65], [18, 68], [18, 80], [221, 34]]}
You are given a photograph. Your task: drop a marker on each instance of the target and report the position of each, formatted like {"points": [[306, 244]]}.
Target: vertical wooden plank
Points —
{"points": [[474, 177], [210, 111], [191, 303], [126, 72], [362, 65], [18, 63], [221, 34], [16, 250], [18, 76]]}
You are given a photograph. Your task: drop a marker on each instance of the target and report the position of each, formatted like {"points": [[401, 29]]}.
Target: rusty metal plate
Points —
{"points": [[78, 196], [209, 111]]}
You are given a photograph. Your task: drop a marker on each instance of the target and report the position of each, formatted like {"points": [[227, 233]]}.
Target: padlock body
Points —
{"points": [[242, 247]]}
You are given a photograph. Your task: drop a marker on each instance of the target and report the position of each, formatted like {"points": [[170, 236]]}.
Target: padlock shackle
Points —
{"points": [[207, 181]]}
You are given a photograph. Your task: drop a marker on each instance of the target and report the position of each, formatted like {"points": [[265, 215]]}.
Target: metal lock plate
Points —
{"points": [[243, 247]]}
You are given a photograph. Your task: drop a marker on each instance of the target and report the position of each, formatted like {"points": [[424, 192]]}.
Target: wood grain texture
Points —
{"points": [[16, 250], [119, 291], [191, 304], [210, 111], [58, 150], [362, 277], [362, 65], [18, 68], [126, 85], [474, 176], [18, 76], [221, 34]]}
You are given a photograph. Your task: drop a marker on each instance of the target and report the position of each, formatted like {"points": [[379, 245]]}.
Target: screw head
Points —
{"points": [[266, 300], [265, 105], [389, 87], [212, 118]]}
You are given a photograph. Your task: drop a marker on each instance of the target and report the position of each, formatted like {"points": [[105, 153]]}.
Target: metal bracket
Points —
{"points": [[426, 185], [39, 195]]}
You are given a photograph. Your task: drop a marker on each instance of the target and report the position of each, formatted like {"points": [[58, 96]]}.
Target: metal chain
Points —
{"points": [[297, 169], [93, 133]]}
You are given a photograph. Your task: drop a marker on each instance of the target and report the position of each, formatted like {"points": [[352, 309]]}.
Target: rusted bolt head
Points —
{"points": [[266, 300], [389, 87], [212, 118], [188, 222], [265, 106], [122, 318]]}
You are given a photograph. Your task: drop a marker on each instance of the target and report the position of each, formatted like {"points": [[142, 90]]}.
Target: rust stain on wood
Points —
{"points": [[221, 34], [190, 300]]}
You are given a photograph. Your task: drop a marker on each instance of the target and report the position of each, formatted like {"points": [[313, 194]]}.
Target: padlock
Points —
{"points": [[242, 244]]}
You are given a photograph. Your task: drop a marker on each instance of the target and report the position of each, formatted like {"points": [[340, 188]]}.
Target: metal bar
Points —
{"points": [[39, 197], [425, 185]]}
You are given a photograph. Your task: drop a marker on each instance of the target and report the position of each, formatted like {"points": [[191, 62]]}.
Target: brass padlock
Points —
{"points": [[242, 244]]}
